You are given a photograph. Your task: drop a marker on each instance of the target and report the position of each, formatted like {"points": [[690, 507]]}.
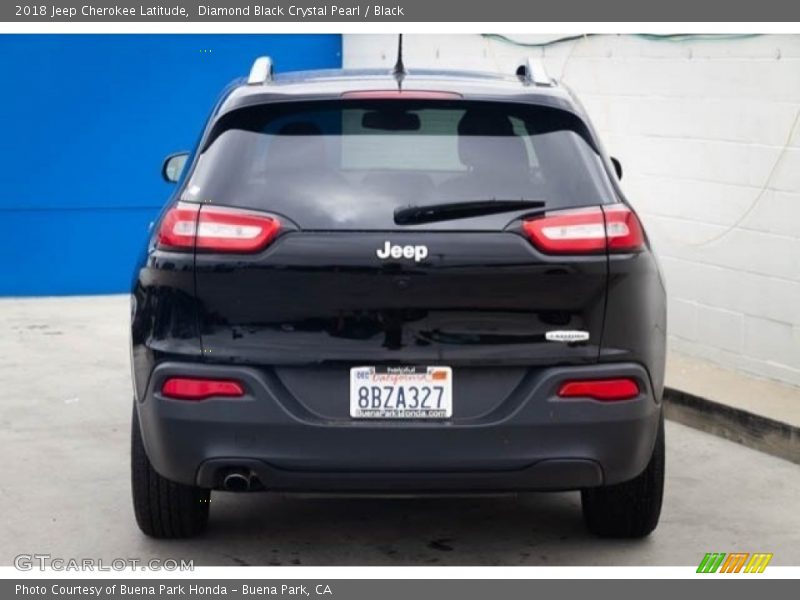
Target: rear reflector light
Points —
{"points": [[216, 229], [586, 231], [606, 390], [185, 388], [400, 95]]}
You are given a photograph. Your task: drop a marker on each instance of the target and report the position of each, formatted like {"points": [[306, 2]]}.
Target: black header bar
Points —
{"points": [[492, 11]]}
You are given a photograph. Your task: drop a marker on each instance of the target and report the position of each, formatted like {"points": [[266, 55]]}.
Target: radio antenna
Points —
{"points": [[399, 71]]}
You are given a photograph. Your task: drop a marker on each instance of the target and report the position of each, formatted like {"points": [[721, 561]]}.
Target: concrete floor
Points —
{"points": [[65, 416], [739, 390]]}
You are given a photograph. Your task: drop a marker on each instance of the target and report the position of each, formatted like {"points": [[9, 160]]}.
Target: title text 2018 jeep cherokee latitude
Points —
{"points": [[412, 281]]}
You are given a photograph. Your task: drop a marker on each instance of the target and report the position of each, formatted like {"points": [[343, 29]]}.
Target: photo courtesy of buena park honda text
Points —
{"points": [[395, 300]]}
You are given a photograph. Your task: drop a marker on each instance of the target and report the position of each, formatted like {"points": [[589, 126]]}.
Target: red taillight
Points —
{"points": [[400, 95], [586, 230], [606, 390], [568, 232], [178, 227], [187, 388], [623, 230], [231, 230], [216, 229]]}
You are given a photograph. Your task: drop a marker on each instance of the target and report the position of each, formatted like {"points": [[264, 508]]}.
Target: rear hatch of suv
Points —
{"points": [[400, 234]]}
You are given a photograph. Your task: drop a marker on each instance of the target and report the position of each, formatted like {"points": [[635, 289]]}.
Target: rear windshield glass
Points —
{"points": [[350, 164]]}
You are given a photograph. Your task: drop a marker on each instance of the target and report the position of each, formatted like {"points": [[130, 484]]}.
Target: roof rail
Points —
{"points": [[261, 71], [532, 71]]}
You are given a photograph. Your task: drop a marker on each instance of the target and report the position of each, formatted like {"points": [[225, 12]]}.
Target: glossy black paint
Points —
{"points": [[635, 326], [163, 314], [314, 303], [313, 297]]}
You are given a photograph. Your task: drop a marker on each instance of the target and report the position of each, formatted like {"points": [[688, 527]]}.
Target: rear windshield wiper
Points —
{"points": [[430, 213]]}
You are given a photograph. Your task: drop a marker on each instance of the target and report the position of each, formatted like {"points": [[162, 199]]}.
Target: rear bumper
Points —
{"points": [[530, 441]]}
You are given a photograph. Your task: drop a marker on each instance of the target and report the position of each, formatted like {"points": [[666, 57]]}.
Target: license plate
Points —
{"points": [[401, 392]]}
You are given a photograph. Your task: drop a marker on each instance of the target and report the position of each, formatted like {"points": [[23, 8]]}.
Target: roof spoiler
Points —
{"points": [[261, 72], [532, 72]]}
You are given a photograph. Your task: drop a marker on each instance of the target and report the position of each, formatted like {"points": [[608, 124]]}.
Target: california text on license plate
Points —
{"points": [[401, 392]]}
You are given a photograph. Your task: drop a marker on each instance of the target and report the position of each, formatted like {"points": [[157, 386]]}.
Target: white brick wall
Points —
{"points": [[698, 126]]}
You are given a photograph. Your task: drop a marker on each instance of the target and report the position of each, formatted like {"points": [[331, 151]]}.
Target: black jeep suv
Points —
{"points": [[372, 281]]}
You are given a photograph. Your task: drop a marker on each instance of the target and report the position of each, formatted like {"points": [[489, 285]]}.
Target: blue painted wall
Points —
{"points": [[85, 121]]}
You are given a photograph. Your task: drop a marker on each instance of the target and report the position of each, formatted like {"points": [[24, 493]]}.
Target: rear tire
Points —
{"points": [[163, 508], [630, 509]]}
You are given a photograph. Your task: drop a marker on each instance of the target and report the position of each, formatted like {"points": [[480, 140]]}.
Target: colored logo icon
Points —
{"points": [[735, 562]]}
